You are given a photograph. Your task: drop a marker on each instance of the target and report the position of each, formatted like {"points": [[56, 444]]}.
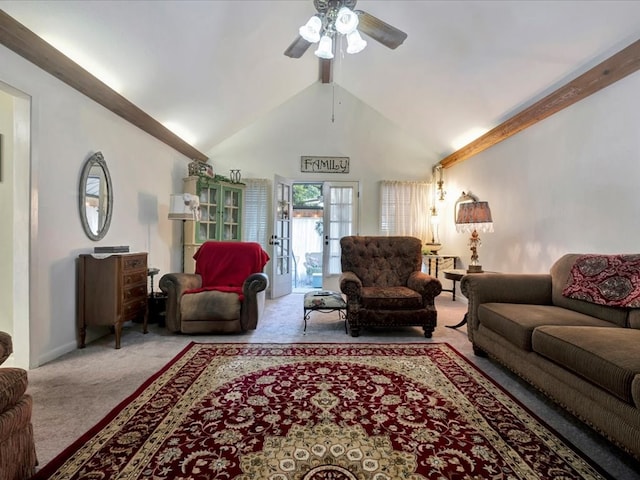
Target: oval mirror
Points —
{"points": [[96, 197]]}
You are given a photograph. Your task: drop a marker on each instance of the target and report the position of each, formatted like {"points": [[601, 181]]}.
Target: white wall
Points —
{"points": [[566, 184], [6, 212], [66, 128], [377, 148]]}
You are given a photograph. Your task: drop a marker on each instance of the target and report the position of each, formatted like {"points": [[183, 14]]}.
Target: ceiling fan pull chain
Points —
{"points": [[333, 103]]}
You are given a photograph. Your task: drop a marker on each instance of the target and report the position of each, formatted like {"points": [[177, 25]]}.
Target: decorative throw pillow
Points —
{"points": [[612, 280]]}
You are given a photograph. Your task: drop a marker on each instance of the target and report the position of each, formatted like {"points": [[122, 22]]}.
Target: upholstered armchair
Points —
{"points": [[385, 287], [17, 447], [224, 295]]}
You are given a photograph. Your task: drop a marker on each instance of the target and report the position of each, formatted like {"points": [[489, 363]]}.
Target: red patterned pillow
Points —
{"points": [[612, 280]]}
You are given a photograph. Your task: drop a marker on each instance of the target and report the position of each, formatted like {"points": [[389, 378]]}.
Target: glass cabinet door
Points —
{"points": [[209, 210], [231, 211]]}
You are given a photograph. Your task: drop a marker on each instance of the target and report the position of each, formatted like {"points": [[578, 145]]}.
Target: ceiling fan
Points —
{"points": [[336, 17]]}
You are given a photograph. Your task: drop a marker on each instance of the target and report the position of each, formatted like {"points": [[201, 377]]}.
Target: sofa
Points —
{"points": [[573, 333], [225, 294], [17, 447], [384, 284]]}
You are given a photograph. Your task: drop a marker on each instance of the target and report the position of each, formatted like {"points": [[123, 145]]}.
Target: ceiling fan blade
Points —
{"points": [[326, 70], [380, 31], [297, 48]]}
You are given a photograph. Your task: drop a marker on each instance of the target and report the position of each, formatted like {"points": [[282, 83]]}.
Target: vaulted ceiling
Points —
{"points": [[207, 69]]}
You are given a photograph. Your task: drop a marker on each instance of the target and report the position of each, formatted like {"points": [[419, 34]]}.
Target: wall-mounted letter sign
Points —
{"points": [[324, 164]]}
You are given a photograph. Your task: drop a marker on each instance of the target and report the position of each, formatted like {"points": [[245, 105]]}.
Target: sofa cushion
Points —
{"points": [[210, 305], [634, 318], [606, 356], [516, 321], [390, 298]]}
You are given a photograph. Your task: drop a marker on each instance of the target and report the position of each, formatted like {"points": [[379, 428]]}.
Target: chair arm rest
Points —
{"points": [[426, 285], [256, 282], [252, 286], [174, 285], [350, 284], [534, 289], [6, 346]]}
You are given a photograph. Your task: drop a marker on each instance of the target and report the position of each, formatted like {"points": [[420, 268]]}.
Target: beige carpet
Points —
{"points": [[76, 391]]}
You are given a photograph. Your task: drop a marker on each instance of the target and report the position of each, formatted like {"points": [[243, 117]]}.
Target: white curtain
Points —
{"points": [[404, 209], [256, 210]]}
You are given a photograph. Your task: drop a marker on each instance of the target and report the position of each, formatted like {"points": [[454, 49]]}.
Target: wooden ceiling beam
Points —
{"points": [[27, 44], [616, 67], [326, 70]]}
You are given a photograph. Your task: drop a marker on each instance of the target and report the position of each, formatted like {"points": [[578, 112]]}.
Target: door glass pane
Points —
{"points": [[341, 207], [213, 193]]}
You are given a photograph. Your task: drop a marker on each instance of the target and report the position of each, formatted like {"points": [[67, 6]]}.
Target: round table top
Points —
{"points": [[454, 274]]}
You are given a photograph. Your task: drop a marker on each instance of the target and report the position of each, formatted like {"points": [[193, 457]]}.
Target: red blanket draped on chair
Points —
{"points": [[224, 266]]}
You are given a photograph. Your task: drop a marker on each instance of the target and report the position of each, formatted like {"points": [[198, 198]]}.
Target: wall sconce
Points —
{"points": [[440, 189], [438, 194], [472, 215], [434, 221]]}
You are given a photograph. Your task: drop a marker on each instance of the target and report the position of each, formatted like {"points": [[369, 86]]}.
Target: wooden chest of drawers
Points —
{"points": [[112, 289]]}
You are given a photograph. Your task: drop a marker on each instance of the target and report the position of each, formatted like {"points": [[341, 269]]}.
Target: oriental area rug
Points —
{"points": [[320, 412]]}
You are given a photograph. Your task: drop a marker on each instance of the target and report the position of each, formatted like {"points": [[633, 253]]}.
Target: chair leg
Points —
{"points": [[355, 332], [428, 331]]}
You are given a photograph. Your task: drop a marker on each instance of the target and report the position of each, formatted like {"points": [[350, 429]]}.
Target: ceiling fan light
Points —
{"points": [[346, 21], [355, 43], [325, 47], [310, 31]]}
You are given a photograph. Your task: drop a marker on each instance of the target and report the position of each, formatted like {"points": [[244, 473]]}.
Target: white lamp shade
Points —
{"points": [[346, 21], [184, 206], [310, 31], [355, 43], [325, 48]]}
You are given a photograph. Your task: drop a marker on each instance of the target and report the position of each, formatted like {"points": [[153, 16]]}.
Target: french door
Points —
{"points": [[340, 219], [280, 240]]}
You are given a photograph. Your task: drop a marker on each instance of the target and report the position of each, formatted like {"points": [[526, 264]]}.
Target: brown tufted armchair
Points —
{"points": [[17, 448], [384, 284]]}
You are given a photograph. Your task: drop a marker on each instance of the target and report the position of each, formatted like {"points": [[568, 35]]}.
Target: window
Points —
{"points": [[256, 210], [404, 208]]}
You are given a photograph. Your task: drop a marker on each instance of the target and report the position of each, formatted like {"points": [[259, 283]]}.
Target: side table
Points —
{"points": [[439, 260], [456, 275]]}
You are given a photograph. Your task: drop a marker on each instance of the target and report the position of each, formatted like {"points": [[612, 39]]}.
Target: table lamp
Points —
{"points": [[473, 215]]}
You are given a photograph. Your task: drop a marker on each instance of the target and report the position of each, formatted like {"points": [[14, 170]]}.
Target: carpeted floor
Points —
{"points": [[74, 392], [324, 412]]}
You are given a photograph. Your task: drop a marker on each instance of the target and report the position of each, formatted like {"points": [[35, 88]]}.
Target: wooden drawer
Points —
{"points": [[135, 309], [135, 293], [135, 278], [134, 262]]}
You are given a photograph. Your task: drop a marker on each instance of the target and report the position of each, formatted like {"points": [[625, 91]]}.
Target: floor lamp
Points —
{"points": [[184, 206]]}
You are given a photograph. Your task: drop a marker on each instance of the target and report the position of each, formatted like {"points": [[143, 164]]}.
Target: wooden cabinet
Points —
{"points": [[112, 289], [221, 205]]}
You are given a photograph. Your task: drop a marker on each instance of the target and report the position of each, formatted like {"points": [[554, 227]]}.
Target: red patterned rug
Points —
{"points": [[320, 412]]}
